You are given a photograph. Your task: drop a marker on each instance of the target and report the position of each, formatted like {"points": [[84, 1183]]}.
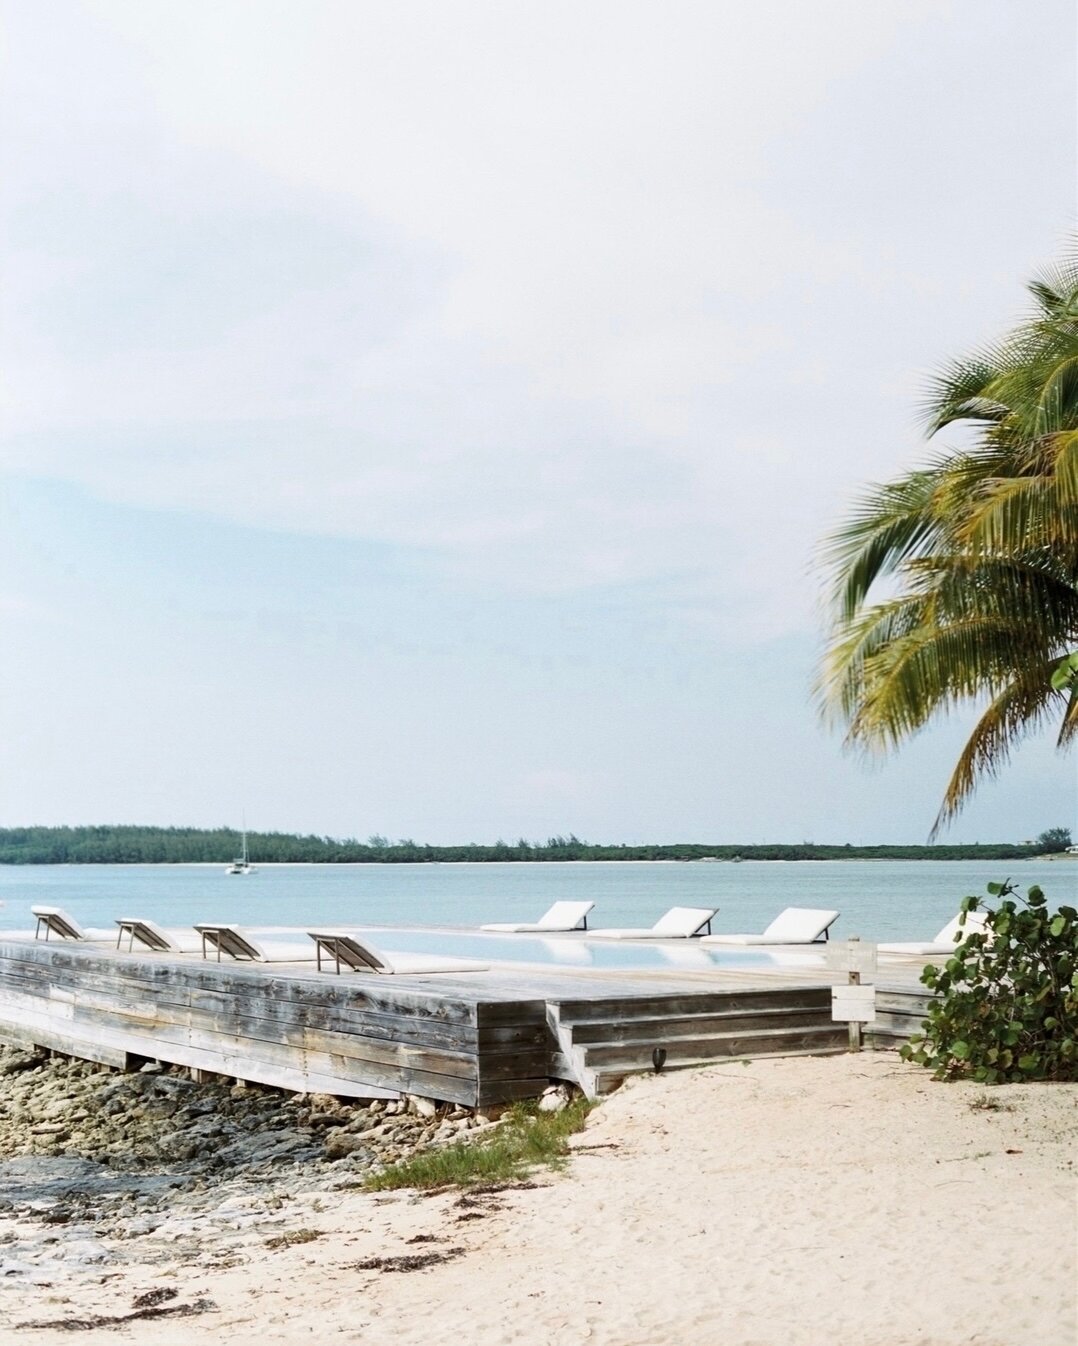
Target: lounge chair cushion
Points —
{"points": [[947, 939], [678, 923], [795, 925], [561, 916]]}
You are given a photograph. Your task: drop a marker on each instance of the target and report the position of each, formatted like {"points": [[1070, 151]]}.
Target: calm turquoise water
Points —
{"points": [[877, 899]]}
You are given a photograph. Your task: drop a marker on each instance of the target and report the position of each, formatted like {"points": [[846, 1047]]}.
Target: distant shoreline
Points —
{"points": [[366, 864], [134, 845]]}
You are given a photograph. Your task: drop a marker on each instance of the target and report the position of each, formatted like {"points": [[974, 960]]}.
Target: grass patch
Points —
{"points": [[526, 1138]]}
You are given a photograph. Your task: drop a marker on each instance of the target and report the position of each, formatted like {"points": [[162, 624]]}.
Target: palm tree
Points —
{"points": [[980, 548]]}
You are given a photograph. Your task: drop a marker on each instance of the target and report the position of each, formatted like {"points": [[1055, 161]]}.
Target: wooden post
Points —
{"points": [[854, 1025]]}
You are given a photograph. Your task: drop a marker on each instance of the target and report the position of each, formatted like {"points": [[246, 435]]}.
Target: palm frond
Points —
{"points": [[983, 547], [1068, 730], [1013, 714], [893, 523]]}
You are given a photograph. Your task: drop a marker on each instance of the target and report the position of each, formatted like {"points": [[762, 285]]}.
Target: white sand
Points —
{"points": [[784, 1203]]}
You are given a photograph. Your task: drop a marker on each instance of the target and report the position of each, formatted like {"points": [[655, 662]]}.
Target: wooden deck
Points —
{"points": [[475, 1039]]}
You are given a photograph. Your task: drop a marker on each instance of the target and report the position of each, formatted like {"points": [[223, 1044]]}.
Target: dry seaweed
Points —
{"points": [[405, 1262], [154, 1310]]}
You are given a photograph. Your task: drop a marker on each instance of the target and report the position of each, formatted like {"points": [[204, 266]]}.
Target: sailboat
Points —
{"points": [[241, 865]]}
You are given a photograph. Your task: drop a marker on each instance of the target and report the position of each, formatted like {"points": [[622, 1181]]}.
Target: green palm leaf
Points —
{"points": [[982, 546]]}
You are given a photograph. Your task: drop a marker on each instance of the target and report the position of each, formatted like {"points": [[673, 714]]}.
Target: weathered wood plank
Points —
{"points": [[825, 1037], [898, 1025], [747, 1002], [514, 1013], [113, 1047], [661, 1029], [505, 1091], [441, 1000], [907, 1001], [365, 1054], [24, 1036]]}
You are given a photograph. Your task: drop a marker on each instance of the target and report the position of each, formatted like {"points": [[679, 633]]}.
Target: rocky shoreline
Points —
{"points": [[99, 1167]]}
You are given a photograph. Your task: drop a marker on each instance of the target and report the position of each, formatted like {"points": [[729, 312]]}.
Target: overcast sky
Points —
{"points": [[420, 418]]}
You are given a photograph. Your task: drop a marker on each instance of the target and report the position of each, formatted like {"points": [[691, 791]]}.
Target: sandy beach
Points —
{"points": [[792, 1201]]}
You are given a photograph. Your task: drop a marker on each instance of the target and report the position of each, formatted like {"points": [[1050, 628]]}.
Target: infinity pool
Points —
{"points": [[566, 951], [580, 952]]}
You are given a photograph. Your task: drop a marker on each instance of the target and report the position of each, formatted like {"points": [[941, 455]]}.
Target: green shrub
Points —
{"points": [[1006, 1004]]}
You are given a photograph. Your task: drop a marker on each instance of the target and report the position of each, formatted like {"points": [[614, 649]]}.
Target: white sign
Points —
{"points": [[852, 955], [853, 1004]]}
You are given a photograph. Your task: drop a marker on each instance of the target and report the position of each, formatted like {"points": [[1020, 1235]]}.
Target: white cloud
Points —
{"points": [[543, 289]]}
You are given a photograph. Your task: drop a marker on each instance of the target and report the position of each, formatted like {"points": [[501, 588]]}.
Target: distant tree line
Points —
{"points": [[187, 845]]}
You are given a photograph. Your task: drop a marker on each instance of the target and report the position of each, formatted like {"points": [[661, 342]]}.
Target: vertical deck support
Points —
{"points": [[854, 1024]]}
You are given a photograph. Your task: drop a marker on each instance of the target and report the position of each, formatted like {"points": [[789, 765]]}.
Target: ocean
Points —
{"points": [[878, 899]]}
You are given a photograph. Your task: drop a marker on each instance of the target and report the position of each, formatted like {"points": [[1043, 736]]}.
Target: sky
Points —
{"points": [[422, 419]]}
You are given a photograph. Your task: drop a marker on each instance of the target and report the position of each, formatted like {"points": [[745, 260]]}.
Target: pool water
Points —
{"points": [[565, 950]]}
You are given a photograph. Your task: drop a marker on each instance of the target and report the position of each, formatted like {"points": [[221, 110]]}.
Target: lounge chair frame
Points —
{"points": [[328, 943], [148, 933], [226, 939], [58, 922]]}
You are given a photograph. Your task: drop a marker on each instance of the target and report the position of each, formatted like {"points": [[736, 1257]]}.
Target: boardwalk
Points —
{"points": [[472, 1038]]}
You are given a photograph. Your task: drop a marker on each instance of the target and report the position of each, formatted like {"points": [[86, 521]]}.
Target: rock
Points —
{"points": [[554, 1099], [424, 1107], [168, 1086], [339, 1145], [85, 1252], [104, 1149], [151, 1068], [24, 1271], [57, 1215], [324, 1119], [16, 1059]]}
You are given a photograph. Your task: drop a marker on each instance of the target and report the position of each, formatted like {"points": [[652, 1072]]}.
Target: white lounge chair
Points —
{"points": [[56, 921], [152, 936], [947, 939], [678, 923], [561, 916], [233, 941], [344, 948], [795, 925]]}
